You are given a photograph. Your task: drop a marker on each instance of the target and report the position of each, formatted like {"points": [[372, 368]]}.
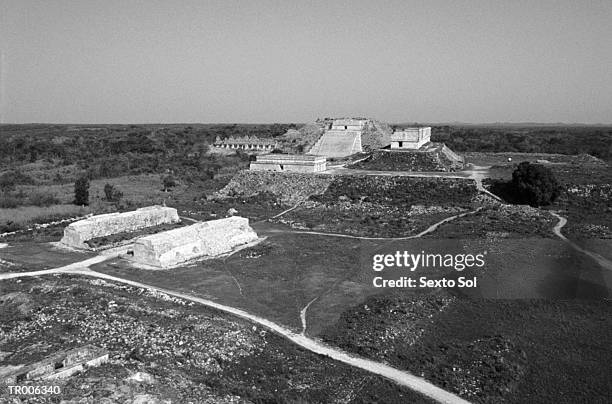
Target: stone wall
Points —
{"points": [[77, 233], [177, 246], [289, 162]]}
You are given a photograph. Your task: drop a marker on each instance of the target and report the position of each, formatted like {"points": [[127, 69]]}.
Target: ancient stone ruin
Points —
{"points": [[76, 234], [342, 138], [60, 365], [212, 238], [252, 143], [411, 138], [302, 163]]}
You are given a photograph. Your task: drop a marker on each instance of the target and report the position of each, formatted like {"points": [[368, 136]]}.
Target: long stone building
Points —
{"points": [[211, 238], [78, 233], [299, 163], [246, 143]]}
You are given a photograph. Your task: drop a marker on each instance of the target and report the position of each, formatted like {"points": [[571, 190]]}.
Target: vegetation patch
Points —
{"points": [[26, 217], [400, 191], [366, 218], [482, 350], [499, 221], [118, 238], [565, 139]]}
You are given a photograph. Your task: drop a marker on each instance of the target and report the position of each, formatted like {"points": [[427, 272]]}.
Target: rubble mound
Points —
{"points": [[432, 157], [375, 135], [288, 187], [301, 139]]}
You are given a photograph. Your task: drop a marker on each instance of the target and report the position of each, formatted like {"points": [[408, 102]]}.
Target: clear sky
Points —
{"points": [[127, 61]]}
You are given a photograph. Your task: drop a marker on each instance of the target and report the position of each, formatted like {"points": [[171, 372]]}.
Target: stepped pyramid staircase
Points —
{"points": [[337, 143]]}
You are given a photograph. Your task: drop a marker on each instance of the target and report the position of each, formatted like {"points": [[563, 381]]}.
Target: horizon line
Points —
{"points": [[447, 123]]}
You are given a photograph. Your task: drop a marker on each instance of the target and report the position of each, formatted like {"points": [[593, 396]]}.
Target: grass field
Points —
{"points": [[25, 216]]}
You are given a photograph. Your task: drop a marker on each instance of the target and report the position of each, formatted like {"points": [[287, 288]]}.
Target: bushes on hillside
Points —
{"points": [[531, 184], [399, 191], [81, 191], [112, 194], [168, 182], [42, 199], [535, 184]]}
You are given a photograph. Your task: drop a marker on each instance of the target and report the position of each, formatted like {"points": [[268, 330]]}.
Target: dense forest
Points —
{"points": [[593, 140], [114, 150], [109, 151]]}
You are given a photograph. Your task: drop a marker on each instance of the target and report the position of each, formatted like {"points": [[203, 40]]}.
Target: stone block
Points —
{"points": [[77, 233], [204, 239]]}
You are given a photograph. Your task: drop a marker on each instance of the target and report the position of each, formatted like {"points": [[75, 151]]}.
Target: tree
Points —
{"points": [[81, 191], [112, 194], [535, 184], [7, 181], [169, 182]]}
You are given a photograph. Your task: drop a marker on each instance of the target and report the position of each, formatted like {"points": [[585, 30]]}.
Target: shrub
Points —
{"points": [[169, 182], [7, 181], [112, 194], [42, 199], [535, 184], [8, 201], [81, 191]]}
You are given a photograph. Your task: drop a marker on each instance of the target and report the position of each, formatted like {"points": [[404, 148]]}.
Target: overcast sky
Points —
{"points": [[127, 61]]}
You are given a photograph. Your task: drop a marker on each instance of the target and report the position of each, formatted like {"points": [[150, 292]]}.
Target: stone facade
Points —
{"points": [[348, 124], [77, 233], [60, 365], [302, 163], [246, 143], [212, 238], [411, 138]]}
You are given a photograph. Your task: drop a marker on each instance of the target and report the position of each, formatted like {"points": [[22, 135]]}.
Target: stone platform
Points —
{"points": [[76, 234], [204, 239]]}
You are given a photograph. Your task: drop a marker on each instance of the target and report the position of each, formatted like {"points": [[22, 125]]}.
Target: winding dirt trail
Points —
{"points": [[605, 263], [303, 315], [428, 230], [402, 378]]}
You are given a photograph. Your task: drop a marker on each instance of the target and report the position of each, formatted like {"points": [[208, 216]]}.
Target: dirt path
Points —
{"points": [[607, 264], [402, 378], [430, 229], [303, 315]]}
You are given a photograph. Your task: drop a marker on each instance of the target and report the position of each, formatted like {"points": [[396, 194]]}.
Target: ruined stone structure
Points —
{"points": [[429, 157], [303, 163], [342, 138], [411, 138], [76, 234], [212, 238], [246, 143], [348, 124], [60, 365]]}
